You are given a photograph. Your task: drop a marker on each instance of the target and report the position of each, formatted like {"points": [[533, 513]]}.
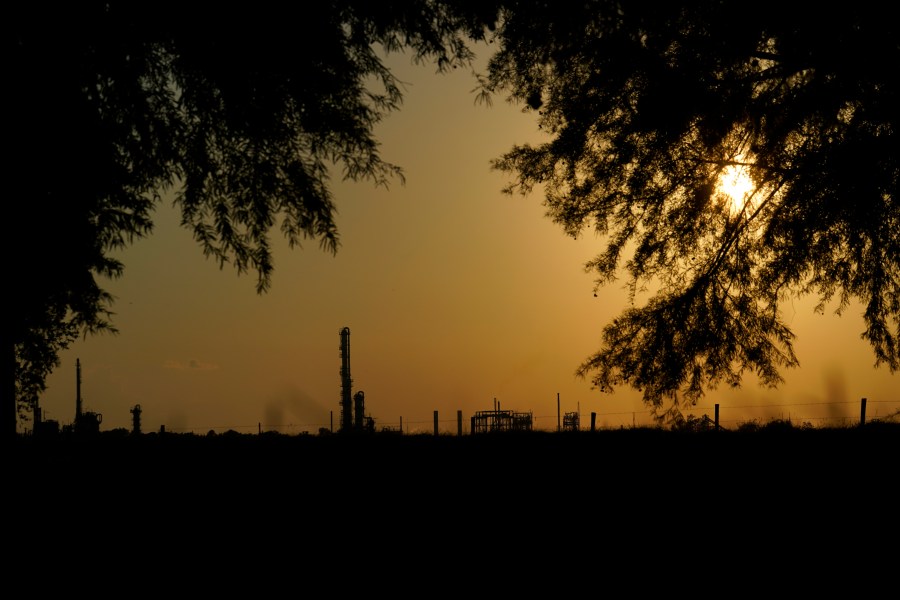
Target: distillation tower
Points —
{"points": [[353, 406], [86, 421], [346, 382]]}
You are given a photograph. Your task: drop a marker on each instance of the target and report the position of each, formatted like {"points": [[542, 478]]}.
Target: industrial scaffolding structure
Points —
{"points": [[571, 421], [487, 421]]}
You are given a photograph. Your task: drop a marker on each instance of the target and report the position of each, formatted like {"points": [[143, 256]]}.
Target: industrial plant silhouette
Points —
{"points": [[494, 481], [501, 451], [354, 419], [85, 423], [353, 416]]}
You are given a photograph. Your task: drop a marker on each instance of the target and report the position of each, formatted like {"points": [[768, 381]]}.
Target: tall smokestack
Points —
{"points": [[346, 382], [77, 389]]}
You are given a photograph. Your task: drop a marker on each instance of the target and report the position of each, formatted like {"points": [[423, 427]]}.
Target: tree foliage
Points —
{"points": [[647, 105], [244, 114]]}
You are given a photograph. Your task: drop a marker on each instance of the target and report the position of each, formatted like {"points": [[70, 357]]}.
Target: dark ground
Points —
{"points": [[595, 501], [710, 458]]}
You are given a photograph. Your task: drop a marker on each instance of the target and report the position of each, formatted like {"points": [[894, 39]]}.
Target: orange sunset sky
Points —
{"points": [[455, 295]]}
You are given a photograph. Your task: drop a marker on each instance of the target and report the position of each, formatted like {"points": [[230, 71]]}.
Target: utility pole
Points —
{"points": [[557, 413]]}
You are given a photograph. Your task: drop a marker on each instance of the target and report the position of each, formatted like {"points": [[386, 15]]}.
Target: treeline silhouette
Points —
{"points": [[776, 448]]}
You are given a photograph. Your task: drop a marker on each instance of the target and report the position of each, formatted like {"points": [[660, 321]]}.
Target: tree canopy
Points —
{"points": [[648, 105], [244, 114]]}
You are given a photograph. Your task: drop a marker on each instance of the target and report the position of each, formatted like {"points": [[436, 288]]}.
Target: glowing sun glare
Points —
{"points": [[735, 182]]}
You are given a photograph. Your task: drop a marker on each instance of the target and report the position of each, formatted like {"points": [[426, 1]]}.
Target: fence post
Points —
{"points": [[717, 416], [862, 412], [459, 423], [435, 422], [593, 420]]}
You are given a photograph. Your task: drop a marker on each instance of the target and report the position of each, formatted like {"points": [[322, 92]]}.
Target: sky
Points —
{"points": [[457, 297]]}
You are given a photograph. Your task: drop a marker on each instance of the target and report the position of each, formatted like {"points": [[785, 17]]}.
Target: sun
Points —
{"points": [[735, 182]]}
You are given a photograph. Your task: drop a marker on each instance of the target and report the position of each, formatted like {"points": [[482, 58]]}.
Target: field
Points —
{"points": [[776, 455], [531, 506]]}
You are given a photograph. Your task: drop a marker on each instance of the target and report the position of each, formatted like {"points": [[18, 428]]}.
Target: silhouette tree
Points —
{"points": [[648, 106], [243, 114]]}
